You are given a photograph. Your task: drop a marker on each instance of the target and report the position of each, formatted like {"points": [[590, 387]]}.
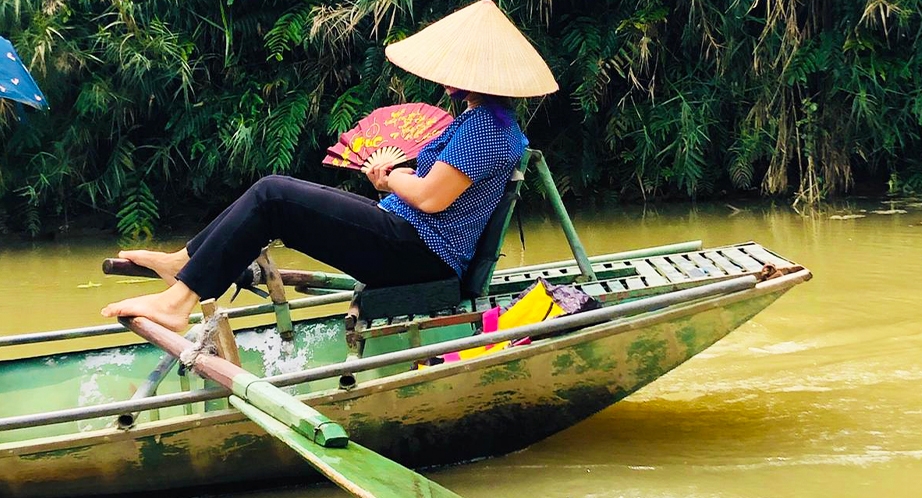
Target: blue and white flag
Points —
{"points": [[15, 81]]}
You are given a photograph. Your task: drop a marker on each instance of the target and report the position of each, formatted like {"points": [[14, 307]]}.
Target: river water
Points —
{"points": [[819, 395]]}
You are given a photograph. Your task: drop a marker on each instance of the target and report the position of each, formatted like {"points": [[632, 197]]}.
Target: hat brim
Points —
{"points": [[477, 49]]}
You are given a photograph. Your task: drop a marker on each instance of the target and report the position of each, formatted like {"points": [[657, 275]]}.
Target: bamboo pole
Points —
{"points": [[677, 248], [323, 443], [579, 252], [259, 309], [387, 359], [151, 383]]}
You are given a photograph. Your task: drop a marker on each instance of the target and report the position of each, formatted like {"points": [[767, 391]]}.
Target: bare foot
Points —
{"points": [[170, 308], [166, 264]]}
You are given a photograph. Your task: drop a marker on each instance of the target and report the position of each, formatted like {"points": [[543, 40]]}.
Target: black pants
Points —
{"points": [[343, 230]]}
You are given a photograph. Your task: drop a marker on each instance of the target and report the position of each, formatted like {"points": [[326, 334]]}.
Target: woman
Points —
{"points": [[427, 229]]}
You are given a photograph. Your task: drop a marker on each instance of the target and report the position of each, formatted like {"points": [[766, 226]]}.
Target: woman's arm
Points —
{"points": [[431, 194]]}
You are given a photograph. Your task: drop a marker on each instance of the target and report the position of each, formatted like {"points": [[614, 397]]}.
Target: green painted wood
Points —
{"points": [[214, 404], [313, 429], [742, 259], [403, 414], [244, 384], [723, 263], [614, 270], [550, 189], [184, 384], [356, 469], [288, 410]]}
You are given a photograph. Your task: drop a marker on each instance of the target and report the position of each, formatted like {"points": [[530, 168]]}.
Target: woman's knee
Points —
{"points": [[271, 182], [270, 187]]}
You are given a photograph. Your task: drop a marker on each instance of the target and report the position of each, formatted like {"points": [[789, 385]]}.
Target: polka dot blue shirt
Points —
{"points": [[476, 145]]}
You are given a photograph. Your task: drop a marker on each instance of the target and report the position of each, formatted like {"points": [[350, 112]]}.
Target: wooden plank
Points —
{"points": [[706, 264], [224, 336], [517, 282], [668, 270], [511, 283], [759, 253], [593, 289], [634, 283], [645, 270], [615, 285], [742, 259], [423, 324], [300, 278], [356, 469], [686, 266], [724, 263], [606, 271]]}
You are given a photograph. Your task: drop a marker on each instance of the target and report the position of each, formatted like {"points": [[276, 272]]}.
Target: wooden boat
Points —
{"points": [[59, 419]]}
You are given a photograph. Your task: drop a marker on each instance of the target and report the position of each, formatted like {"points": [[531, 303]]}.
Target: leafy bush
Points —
{"points": [[161, 102]]}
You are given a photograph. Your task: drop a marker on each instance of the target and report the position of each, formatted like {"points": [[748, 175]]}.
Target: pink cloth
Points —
{"points": [[491, 320]]}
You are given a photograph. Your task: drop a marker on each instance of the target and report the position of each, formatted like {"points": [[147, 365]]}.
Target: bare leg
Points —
{"points": [[166, 264], [170, 308]]}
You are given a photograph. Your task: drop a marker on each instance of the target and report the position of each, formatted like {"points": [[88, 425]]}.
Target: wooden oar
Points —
{"points": [[320, 441], [318, 279]]}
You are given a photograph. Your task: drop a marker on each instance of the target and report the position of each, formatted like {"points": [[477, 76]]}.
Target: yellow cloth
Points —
{"points": [[535, 306]]}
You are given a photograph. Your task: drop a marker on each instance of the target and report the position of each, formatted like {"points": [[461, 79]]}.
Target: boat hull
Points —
{"points": [[454, 412]]}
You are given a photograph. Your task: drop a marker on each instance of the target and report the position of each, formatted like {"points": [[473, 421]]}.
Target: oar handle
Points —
{"points": [[121, 266], [318, 279]]}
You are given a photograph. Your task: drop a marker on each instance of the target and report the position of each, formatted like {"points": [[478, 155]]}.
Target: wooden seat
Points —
{"points": [[414, 299]]}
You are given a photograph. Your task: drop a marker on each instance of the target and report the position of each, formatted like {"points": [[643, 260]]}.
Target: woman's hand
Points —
{"points": [[431, 193], [377, 175]]}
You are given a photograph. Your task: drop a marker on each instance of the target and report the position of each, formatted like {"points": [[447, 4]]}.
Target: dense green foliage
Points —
{"points": [[159, 103]]}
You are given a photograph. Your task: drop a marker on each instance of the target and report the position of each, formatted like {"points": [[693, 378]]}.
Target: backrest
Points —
{"points": [[476, 280]]}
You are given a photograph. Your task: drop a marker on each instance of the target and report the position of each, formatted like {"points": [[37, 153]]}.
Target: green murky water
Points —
{"points": [[817, 396]]}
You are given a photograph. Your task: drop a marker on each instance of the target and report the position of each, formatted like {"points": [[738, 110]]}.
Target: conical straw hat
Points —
{"points": [[477, 49]]}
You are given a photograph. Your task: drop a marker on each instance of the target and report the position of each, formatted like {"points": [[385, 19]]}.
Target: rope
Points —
{"points": [[248, 280], [204, 342], [257, 273]]}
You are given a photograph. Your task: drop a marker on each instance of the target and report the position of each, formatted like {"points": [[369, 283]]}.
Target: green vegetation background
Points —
{"points": [[161, 105]]}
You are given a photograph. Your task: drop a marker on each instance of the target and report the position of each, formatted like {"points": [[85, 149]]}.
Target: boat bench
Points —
{"points": [[414, 299]]}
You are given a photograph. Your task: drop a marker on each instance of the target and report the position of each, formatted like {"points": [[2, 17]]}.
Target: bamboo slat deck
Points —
{"points": [[640, 277], [619, 280]]}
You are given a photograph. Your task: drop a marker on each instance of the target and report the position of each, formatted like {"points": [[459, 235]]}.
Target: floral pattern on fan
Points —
{"points": [[393, 134]]}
